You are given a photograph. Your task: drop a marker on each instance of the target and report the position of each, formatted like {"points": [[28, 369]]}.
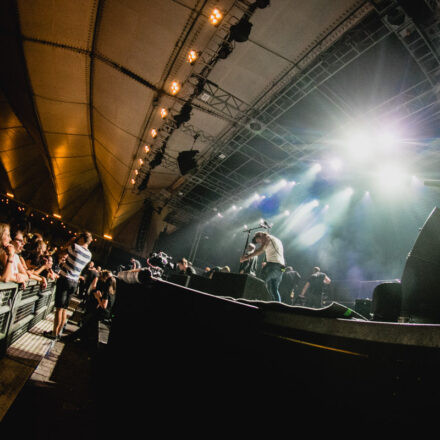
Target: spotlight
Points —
{"points": [[153, 133], [136, 172], [286, 212], [186, 161], [107, 236], [219, 215], [141, 162], [133, 181], [163, 112], [240, 32], [192, 56], [10, 195], [216, 17], [199, 84], [175, 87], [315, 203], [147, 149], [396, 17], [225, 50]]}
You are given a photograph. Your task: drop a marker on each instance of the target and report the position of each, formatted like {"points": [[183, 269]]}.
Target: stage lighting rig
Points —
{"points": [[184, 115], [157, 159], [240, 32], [225, 50], [144, 183], [262, 4]]}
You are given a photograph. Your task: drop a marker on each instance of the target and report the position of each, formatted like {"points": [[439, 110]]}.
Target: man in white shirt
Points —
{"points": [[273, 269]]}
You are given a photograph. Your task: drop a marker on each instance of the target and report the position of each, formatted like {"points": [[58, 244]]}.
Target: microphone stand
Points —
{"points": [[248, 234]]}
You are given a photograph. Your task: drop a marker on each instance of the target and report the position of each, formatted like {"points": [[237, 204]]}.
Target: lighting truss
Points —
{"points": [[421, 44]]}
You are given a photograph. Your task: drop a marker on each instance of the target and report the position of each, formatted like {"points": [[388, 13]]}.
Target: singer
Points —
{"points": [[273, 270]]}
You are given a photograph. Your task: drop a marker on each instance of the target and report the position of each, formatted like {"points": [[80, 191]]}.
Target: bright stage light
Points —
{"points": [[286, 212], [349, 191], [336, 164], [316, 168], [359, 145], [313, 235], [314, 203], [391, 178], [386, 140]]}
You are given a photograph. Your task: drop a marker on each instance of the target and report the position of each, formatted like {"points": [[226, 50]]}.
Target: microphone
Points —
{"points": [[265, 225]]}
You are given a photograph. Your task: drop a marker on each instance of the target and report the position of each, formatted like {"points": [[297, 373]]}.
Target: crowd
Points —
{"points": [[25, 256]]}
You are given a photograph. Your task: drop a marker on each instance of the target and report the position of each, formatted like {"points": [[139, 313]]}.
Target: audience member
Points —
{"points": [[134, 264], [67, 283], [98, 306], [8, 264], [90, 277], [185, 267]]}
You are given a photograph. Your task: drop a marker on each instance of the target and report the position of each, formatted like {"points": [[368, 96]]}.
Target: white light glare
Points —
{"points": [[316, 168], [391, 177], [336, 164], [286, 212]]}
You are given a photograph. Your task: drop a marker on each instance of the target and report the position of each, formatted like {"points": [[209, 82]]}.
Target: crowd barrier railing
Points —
{"points": [[22, 309]]}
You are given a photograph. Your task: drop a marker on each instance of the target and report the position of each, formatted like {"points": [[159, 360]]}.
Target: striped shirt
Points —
{"points": [[77, 259]]}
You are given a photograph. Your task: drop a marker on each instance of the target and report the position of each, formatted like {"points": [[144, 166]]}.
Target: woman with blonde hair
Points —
{"points": [[7, 253]]}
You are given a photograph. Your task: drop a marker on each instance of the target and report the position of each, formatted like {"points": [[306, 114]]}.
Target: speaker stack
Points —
{"points": [[242, 286], [421, 275]]}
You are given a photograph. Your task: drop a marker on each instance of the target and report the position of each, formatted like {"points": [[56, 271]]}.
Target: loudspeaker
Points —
{"points": [[387, 300], [363, 307], [176, 278], [238, 285], [421, 274], [186, 161], [201, 283]]}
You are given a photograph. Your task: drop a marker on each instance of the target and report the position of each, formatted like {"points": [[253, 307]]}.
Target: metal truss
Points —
{"points": [[414, 40], [293, 147], [423, 46]]}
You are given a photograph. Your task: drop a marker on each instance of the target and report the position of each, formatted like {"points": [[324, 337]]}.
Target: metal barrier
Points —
{"points": [[22, 309]]}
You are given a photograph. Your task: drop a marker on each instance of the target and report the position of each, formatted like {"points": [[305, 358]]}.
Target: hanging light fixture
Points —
{"points": [[175, 87], [216, 17], [192, 56]]}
